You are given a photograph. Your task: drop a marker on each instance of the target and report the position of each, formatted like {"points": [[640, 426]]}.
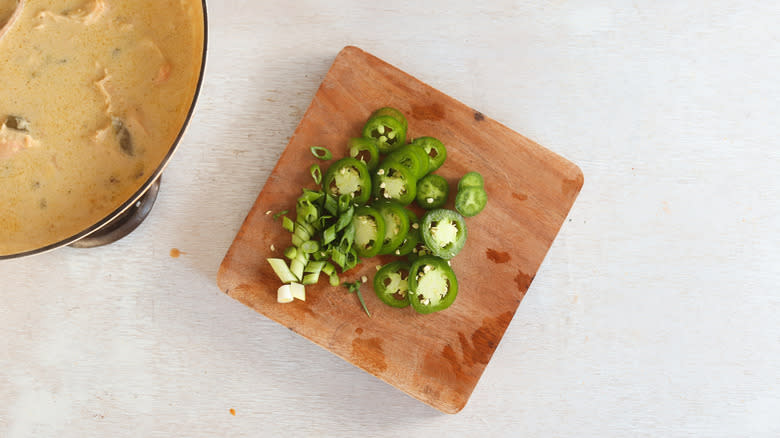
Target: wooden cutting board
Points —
{"points": [[436, 358]]}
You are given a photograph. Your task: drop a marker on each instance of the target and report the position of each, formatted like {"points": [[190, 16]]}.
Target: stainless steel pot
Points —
{"points": [[132, 212]]}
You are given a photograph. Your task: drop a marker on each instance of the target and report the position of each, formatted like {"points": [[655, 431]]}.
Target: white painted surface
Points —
{"points": [[656, 312]]}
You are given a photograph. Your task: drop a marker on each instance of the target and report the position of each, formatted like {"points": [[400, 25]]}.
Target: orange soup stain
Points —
{"points": [[233, 412], [175, 253]]}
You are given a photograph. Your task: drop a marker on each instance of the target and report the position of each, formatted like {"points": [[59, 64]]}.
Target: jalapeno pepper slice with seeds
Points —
{"points": [[471, 201], [432, 285], [391, 284], [392, 112], [432, 191], [411, 157], [365, 150], [434, 149], [369, 231], [444, 232], [388, 128], [396, 224], [391, 180], [348, 176], [410, 242]]}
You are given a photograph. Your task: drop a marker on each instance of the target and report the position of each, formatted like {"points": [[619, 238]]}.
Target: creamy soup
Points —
{"points": [[92, 96]]}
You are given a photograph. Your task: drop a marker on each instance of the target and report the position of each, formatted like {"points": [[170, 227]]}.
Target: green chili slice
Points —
{"points": [[432, 285], [471, 179], [369, 231], [411, 157], [391, 180], [434, 149], [350, 177], [391, 284], [321, 152], [388, 130], [396, 224], [365, 150], [470, 201], [444, 232], [432, 191]]}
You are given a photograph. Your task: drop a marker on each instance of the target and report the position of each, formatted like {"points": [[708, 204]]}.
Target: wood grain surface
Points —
{"points": [[435, 358]]}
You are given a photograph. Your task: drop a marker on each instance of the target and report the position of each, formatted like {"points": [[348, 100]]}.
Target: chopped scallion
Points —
{"points": [[282, 270], [321, 152], [316, 173]]}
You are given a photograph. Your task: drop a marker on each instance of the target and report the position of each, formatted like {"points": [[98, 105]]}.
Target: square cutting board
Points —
{"points": [[436, 358]]}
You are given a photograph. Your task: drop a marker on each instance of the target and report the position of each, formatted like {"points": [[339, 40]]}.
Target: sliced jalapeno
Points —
{"points": [[391, 284], [432, 191], [396, 224], [369, 231], [392, 112], [365, 150], [394, 181], [432, 285], [388, 126], [471, 179], [444, 232], [435, 151], [411, 157], [348, 176], [471, 201], [409, 243]]}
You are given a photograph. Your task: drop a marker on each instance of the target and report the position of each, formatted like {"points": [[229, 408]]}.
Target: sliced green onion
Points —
{"points": [[284, 294], [347, 238], [298, 291], [334, 279], [296, 240], [352, 259], [316, 173], [339, 257], [281, 213], [310, 246], [311, 278], [329, 235], [345, 218], [302, 232], [296, 267], [282, 270], [310, 195], [355, 288], [314, 266], [363, 303], [307, 227], [321, 152], [306, 211], [288, 224], [328, 269], [321, 255], [291, 252], [345, 202], [331, 204]]}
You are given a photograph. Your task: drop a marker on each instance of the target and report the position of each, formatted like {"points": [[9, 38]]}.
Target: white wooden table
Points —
{"points": [[656, 312]]}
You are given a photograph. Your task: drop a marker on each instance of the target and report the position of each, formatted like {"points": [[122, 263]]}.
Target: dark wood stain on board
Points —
{"points": [[433, 112], [369, 352], [497, 256]]}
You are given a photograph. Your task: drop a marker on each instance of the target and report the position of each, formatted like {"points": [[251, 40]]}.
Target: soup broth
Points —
{"points": [[92, 97]]}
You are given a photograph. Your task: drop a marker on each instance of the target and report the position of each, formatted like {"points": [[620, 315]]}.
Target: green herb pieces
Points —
{"points": [[355, 288]]}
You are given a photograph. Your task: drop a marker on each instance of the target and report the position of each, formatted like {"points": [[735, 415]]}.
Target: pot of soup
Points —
{"points": [[94, 98]]}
